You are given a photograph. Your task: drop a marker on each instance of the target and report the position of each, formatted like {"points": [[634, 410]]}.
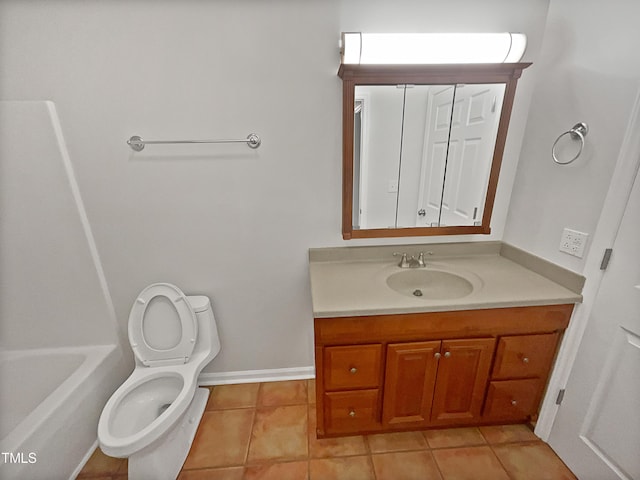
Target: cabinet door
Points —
{"points": [[463, 372], [409, 381]]}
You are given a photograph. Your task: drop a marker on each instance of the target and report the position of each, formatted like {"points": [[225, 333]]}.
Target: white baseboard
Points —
{"points": [[255, 376]]}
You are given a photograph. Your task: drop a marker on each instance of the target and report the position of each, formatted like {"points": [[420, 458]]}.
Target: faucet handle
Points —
{"points": [[403, 261], [421, 259]]}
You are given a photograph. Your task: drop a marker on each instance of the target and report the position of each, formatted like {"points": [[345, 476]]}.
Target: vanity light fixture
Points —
{"points": [[431, 48]]}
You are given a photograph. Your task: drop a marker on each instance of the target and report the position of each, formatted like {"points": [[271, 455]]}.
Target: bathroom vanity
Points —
{"points": [[475, 346]]}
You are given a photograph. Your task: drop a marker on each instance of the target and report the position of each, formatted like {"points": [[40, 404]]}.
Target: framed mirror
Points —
{"points": [[422, 147]]}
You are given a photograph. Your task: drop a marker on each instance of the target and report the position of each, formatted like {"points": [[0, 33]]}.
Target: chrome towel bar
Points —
{"points": [[137, 143]]}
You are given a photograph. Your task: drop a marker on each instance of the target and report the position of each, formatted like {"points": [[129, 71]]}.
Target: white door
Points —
{"points": [[434, 160], [597, 428], [473, 132]]}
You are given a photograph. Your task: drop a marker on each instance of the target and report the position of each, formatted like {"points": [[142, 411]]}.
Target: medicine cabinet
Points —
{"points": [[422, 147]]}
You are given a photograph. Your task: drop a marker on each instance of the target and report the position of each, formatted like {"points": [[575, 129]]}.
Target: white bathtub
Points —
{"points": [[50, 402]]}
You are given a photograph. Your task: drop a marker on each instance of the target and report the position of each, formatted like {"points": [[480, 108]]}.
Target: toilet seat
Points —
{"points": [[176, 354]]}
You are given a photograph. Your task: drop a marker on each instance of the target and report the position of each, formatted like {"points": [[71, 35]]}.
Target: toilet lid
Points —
{"points": [[162, 326]]}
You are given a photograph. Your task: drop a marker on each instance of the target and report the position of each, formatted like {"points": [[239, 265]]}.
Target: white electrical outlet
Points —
{"points": [[573, 242], [393, 186]]}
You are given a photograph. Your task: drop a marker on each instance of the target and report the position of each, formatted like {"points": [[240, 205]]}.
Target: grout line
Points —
{"points": [[501, 464], [435, 462], [253, 424], [372, 465]]}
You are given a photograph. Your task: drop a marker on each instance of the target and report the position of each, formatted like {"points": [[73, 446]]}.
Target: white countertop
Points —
{"points": [[342, 288]]}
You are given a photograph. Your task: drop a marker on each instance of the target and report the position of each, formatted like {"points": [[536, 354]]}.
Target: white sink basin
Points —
{"points": [[430, 284]]}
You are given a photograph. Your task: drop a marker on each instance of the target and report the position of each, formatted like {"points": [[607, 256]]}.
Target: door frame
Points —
{"points": [[626, 169]]}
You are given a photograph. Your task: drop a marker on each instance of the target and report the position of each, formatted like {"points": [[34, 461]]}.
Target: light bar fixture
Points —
{"points": [[431, 48]]}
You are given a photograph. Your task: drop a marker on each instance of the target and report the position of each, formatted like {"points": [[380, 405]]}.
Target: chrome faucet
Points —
{"points": [[411, 262]]}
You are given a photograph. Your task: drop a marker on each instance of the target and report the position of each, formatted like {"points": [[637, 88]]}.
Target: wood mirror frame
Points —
{"points": [[352, 75]]}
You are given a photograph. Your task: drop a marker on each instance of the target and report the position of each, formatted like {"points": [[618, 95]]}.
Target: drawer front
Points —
{"points": [[512, 399], [350, 412], [524, 356], [350, 367]]}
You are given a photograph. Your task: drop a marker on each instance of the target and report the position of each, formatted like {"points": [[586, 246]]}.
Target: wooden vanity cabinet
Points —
{"points": [[432, 383], [438, 369]]}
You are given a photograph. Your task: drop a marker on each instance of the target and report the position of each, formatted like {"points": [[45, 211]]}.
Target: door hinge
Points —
{"points": [[606, 258], [560, 397]]}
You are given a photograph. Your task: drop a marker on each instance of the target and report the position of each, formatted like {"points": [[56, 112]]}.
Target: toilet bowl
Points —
{"points": [[152, 418]]}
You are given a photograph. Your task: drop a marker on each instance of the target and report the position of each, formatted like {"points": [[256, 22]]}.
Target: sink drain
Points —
{"points": [[417, 292]]}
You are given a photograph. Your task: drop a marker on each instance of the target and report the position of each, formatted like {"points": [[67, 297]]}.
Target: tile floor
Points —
{"points": [[267, 431]]}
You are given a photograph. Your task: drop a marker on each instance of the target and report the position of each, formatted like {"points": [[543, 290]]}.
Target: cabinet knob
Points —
{"points": [[525, 360], [353, 370], [437, 355], [447, 354], [514, 402], [352, 413]]}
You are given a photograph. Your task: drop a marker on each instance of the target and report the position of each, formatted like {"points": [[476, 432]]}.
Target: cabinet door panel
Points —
{"points": [[512, 399], [461, 381], [524, 356], [409, 381], [351, 367], [351, 411]]}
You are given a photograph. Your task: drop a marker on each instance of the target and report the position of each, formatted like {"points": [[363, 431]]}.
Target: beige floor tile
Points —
{"points": [[278, 471], [279, 434], [507, 433], [418, 465], [230, 473], [222, 439], [291, 392], [454, 437], [533, 461], [233, 396], [344, 468], [393, 442], [311, 390], [469, 463], [101, 464], [332, 447]]}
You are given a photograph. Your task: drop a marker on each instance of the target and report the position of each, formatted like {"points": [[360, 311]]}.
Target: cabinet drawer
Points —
{"points": [[524, 356], [351, 411], [512, 399], [352, 367]]}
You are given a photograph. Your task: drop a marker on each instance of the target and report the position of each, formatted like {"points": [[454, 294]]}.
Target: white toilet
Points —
{"points": [[153, 417]]}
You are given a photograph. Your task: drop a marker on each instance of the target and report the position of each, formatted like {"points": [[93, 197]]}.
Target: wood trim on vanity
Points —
{"points": [[441, 325]]}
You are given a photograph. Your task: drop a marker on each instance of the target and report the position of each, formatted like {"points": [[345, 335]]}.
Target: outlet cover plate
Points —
{"points": [[573, 242]]}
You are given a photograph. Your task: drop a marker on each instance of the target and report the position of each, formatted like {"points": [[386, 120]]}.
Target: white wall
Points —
{"points": [[224, 221], [588, 72], [52, 290]]}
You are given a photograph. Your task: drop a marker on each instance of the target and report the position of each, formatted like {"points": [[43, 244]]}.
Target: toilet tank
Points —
{"points": [[208, 338]]}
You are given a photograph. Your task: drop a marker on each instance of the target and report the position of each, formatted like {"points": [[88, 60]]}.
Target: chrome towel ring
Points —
{"points": [[578, 132]]}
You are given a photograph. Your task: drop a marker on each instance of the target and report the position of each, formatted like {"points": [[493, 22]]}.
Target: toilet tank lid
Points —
{"points": [[199, 303]]}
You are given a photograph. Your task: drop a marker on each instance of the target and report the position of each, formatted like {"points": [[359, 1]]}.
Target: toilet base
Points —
{"points": [[163, 459]]}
